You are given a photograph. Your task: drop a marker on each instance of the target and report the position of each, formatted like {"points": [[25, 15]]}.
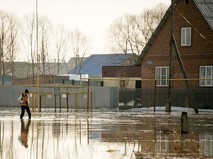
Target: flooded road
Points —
{"points": [[104, 135]]}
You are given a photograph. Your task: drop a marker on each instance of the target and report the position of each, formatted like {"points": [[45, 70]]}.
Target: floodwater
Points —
{"points": [[104, 135]]}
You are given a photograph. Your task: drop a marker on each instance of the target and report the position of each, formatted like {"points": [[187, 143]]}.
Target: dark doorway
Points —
{"points": [[137, 84]]}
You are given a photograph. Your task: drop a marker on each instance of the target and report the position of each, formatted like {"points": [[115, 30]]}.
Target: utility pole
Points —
{"points": [[1, 56], [1, 59], [38, 61], [169, 99], [173, 45]]}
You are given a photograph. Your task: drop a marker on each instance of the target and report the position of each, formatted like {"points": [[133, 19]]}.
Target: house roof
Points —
{"points": [[204, 6], [24, 69], [93, 64]]}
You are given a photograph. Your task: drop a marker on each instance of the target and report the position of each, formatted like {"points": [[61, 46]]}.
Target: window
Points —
{"points": [[161, 75], [186, 36], [163, 142], [206, 75]]}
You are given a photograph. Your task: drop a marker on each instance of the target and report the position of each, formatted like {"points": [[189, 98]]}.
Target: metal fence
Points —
{"points": [[158, 97], [103, 97], [62, 97]]}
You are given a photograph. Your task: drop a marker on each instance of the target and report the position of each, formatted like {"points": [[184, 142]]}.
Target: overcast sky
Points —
{"points": [[92, 17]]}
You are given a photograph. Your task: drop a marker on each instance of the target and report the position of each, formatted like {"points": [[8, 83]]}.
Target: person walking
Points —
{"points": [[24, 102]]}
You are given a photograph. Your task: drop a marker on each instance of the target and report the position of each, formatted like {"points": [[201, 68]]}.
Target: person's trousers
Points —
{"points": [[23, 108]]}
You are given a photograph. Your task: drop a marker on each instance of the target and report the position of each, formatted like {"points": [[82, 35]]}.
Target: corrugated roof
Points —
{"points": [[206, 8], [93, 64]]}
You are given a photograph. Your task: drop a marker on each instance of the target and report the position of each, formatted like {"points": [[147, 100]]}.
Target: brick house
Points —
{"points": [[193, 34]]}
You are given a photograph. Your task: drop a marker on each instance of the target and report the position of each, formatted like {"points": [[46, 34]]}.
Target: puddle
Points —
{"points": [[104, 135]]}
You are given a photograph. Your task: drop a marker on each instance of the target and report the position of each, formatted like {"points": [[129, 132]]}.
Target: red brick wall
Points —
{"points": [[199, 53]]}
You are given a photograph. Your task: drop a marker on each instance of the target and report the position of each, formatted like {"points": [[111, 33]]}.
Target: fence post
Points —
{"points": [[55, 103], [88, 85], [184, 122], [33, 101], [40, 103], [155, 98], [168, 106], [67, 102], [60, 102], [76, 102]]}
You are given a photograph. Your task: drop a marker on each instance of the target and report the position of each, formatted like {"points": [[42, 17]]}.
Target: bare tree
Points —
{"points": [[124, 35], [8, 43], [79, 46], [148, 20], [123, 83], [3, 42], [14, 45], [130, 33], [45, 30], [62, 44], [29, 42]]}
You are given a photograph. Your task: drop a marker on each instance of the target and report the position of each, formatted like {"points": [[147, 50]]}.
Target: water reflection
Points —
{"points": [[117, 136], [23, 138], [206, 143]]}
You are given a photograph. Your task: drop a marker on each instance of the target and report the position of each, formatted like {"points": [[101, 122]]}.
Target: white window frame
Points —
{"points": [[206, 76], [186, 36], [161, 75], [162, 142]]}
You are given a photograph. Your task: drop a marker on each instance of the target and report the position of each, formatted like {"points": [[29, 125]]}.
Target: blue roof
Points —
{"points": [[93, 64]]}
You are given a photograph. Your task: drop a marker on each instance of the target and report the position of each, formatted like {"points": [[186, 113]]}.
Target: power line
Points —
{"points": [[193, 26]]}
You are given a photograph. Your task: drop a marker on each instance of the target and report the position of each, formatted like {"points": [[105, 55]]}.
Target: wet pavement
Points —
{"points": [[104, 135]]}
